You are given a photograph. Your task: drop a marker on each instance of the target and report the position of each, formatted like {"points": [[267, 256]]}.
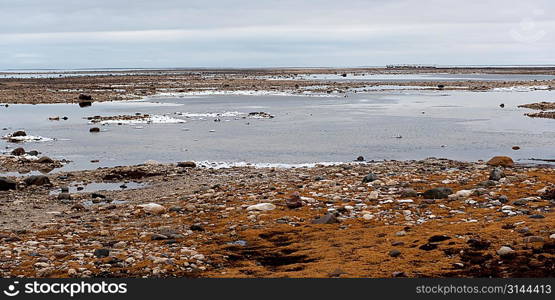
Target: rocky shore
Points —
{"points": [[124, 86], [429, 218]]}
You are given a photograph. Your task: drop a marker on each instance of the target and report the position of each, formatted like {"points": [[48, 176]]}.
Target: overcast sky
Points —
{"points": [[265, 33]]}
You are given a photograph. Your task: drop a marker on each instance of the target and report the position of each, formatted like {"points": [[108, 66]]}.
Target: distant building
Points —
{"points": [[411, 66]]}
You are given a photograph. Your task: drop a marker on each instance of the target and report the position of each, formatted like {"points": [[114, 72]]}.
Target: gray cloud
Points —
{"points": [[166, 33]]}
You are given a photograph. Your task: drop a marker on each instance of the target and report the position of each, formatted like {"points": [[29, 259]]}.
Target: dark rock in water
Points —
{"points": [[344, 75], [503, 199], [7, 184], [260, 114], [438, 238], [478, 244], [515, 148], [196, 227], [64, 189], [440, 86], [394, 253], [496, 174], [94, 129], [187, 164], [294, 201], [85, 103], [45, 160], [97, 195], [99, 253], [37, 180], [369, 178], [326, 219], [85, 97], [18, 151], [502, 105], [428, 247], [19, 133], [360, 158], [33, 153], [437, 193], [64, 196]]}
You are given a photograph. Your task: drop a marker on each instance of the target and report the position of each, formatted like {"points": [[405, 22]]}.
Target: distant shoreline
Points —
{"points": [[66, 87]]}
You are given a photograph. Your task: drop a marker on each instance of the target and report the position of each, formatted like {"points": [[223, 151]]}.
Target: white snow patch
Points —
{"points": [[28, 138], [225, 165], [521, 88], [242, 93], [155, 119], [210, 114]]}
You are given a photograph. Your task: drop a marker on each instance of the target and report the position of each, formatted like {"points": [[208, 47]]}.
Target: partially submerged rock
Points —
{"points": [[187, 164], [18, 151], [18, 133], [45, 160], [540, 105]]}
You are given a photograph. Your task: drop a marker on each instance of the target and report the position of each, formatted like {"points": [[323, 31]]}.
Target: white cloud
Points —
{"points": [[261, 33]]}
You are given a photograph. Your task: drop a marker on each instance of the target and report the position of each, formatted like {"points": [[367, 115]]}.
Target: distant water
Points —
{"points": [[425, 77], [379, 125]]}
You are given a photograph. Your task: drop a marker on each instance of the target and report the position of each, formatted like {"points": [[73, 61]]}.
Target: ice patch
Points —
{"points": [[522, 88], [242, 93], [27, 138], [155, 119], [210, 114], [226, 165]]}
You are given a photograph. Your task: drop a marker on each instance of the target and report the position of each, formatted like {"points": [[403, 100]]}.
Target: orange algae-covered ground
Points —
{"points": [[206, 228]]}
